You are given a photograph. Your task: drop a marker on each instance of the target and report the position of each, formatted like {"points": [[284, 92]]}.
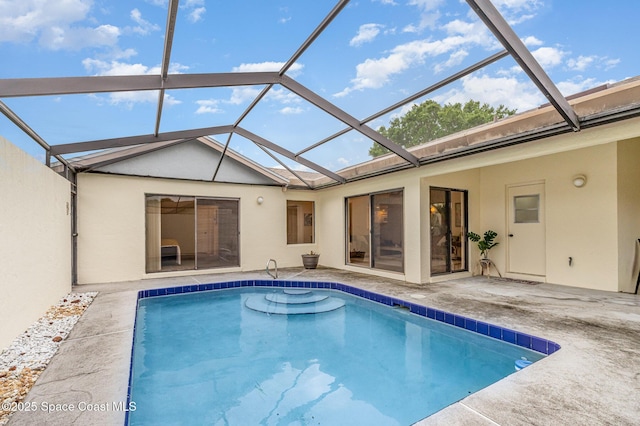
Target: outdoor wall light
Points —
{"points": [[579, 181], [260, 200]]}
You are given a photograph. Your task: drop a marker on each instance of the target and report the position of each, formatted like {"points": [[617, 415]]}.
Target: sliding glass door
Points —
{"points": [[358, 229], [375, 231], [448, 224], [185, 233]]}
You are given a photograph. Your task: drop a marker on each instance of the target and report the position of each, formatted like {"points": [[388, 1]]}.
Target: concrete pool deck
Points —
{"points": [[593, 380]]}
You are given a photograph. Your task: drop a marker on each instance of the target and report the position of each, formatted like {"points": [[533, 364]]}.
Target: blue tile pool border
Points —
{"points": [[524, 340], [537, 344]]}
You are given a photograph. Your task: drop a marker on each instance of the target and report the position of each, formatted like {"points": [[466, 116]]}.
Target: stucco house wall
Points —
{"points": [[580, 222], [111, 224], [111, 212], [35, 240]]}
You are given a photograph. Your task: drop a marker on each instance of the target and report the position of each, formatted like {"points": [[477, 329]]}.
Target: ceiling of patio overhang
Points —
{"points": [[264, 108]]}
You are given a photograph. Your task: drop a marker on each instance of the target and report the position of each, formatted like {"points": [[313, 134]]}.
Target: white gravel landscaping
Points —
{"points": [[24, 360]]}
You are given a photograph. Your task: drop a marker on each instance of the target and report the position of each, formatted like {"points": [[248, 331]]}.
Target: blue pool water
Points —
{"points": [[230, 358]]}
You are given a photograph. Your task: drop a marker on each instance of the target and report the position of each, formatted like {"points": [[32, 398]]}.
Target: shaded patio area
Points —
{"points": [[593, 379]]}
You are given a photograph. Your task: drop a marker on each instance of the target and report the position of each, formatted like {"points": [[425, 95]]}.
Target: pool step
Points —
{"points": [[293, 302]]}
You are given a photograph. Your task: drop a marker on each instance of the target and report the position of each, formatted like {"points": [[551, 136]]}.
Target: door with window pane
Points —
{"points": [[448, 230], [526, 248]]}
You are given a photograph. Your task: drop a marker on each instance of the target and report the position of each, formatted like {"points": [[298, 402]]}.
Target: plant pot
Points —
{"points": [[310, 261]]}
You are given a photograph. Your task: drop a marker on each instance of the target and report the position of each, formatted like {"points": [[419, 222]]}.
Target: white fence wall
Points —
{"points": [[35, 242]]}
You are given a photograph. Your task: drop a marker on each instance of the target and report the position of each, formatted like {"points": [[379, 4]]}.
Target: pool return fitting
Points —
{"points": [[275, 264]]}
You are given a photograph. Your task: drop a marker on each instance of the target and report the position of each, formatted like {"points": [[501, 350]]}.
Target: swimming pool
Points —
{"points": [[227, 357]]}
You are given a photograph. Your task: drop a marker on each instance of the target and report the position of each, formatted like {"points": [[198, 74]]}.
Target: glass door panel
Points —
{"points": [[439, 225], [358, 230], [177, 233], [388, 230], [217, 233], [186, 233], [448, 224], [458, 223]]}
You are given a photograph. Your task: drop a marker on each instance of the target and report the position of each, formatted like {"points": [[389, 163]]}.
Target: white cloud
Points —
{"points": [[611, 63], [471, 32], [343, 161], [25, 20], [517, 11], [123, 54], [548, 57], [99, 67], [291, 110], [532, 41], [429, 15], [517, 4], [366, 33], [129, 99], [282, 96], [61, 38], [581, 62], [195, 10], [63, 25], [208, 106], [240, 95], [144, 27], [196, 14], [579, 84], [269, 66], [375, 73], [495, 91], [455, 58]]}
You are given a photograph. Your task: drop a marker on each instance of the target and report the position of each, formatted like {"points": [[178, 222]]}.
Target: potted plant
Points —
{"points": [[485, 243], [310, 260]]}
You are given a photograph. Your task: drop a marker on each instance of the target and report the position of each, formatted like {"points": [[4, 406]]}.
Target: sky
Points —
{"points": [[374, 54]]}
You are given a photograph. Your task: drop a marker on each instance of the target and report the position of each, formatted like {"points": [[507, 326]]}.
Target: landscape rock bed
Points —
{"points": [[26, 358]]}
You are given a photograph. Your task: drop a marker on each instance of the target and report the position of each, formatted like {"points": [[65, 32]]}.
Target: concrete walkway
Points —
{"points": [[593, 380]]}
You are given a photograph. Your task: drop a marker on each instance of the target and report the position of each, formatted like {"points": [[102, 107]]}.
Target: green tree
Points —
{"points": [[430, 120]]}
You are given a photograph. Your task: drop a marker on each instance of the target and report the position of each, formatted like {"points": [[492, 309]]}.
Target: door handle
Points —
{"points": [[511, 235]]}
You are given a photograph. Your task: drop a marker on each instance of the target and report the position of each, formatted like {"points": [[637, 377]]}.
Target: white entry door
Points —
{"points": [[526, 229]]}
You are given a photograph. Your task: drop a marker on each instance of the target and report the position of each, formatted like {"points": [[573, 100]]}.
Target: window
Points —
{"points": [[526, 208], [375, 231], [300, 223], [186, 233]]}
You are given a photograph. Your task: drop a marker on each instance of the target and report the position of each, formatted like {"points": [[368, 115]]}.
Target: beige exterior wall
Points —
{"points": [[593, 225], [628, 213], [332, 227], [580, 222], [35, 229], [111, 225]]}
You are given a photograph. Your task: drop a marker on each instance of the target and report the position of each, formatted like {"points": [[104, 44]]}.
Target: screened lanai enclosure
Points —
{"points": [[363, 111], [275, 85]]}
